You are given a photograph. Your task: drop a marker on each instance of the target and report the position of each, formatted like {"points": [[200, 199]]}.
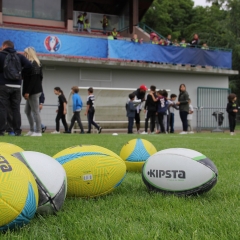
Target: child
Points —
{"points": [[130, 112], [151, 108], [80, 22], [172, 106], [162, 106], [77, 107], [87, 26], [104, 24], [232, 109], [90, 111], [190, 116], [115, 33], [155, 40], [183, 43], [62, 110]]}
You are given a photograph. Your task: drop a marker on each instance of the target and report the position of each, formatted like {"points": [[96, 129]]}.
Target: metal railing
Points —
{"points": [[211, 118], [149, 30]]}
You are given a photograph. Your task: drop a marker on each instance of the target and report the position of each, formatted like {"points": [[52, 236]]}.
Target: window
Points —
{"points": [[21, 8], [41, 9], [46, 9]]}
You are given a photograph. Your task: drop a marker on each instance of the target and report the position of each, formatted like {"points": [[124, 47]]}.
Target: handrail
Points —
{"points": [[147, 29]]}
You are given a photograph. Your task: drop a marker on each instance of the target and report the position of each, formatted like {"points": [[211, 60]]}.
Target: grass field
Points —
{"points": [[131, 212]]}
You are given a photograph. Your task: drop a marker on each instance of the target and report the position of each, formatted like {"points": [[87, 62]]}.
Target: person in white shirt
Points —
{"points": [[190, 117]]}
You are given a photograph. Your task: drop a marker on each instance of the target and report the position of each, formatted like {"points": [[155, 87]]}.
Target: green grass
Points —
{"points": [[131, 212]]}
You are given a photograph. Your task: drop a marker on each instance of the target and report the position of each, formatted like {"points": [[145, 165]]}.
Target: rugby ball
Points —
{"points": [[136, 152], [18, 193], [9, 148], [50, 177], [179, 171], [91, 170]]}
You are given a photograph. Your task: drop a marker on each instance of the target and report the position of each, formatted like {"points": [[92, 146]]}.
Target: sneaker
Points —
{"points": [[29, 133], [67, 132], [36, 135], [44, 129], [144, 133], [191, 132], [232, 133], [55, 132], [82, 132], [11, 134], [183, 133], [166, 132], [99, 130], [152, 132], [88, 132]]}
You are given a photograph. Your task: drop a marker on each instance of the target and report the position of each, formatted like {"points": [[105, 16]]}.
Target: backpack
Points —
{"points": [[12, 67]]}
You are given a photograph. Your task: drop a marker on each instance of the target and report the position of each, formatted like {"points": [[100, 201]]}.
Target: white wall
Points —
{"points": [[66, 77]]}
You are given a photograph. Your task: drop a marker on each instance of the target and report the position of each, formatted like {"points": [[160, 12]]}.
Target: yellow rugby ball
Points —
{"points": [[91, 170], [136, 152], [18, 193], [9, 148]]}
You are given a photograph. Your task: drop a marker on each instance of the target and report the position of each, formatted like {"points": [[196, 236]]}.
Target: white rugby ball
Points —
{"points": [[179, 171], [50, 177]]}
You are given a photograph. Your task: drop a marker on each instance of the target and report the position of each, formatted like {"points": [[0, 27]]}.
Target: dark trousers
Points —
{"points": [[90, 120], [9, 127], [232, 122], [183, 116], [76, 117], [160, 120], [171, 122], [137, 117], [10, 97], [150, 115], [130, 124], [64, 122]]}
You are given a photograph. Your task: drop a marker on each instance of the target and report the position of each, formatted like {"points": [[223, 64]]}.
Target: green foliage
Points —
{"points": [[131, 212], [217, 25]]}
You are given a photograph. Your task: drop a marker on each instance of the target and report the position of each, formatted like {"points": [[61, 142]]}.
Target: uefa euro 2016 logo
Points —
{"points": [[52, 44]]}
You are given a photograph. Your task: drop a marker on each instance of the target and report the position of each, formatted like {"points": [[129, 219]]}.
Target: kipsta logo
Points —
{"points": [[153, 173], [52, 43]]}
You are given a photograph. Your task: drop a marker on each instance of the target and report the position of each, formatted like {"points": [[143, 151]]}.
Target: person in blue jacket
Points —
{"points": [[77, 107]]}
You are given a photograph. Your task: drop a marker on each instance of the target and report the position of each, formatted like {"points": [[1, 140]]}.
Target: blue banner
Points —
{"points": [[70, 45], [62, 44], [169, 54]]}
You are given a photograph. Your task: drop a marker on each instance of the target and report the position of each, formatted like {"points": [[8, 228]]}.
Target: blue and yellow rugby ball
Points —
{"points": [[18, 193], [135, 153]]}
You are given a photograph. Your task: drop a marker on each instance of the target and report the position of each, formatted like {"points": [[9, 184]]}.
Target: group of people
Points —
{"points": [[159, 109], [83, 23], [21, 75], [15, 68], [77, 107]]}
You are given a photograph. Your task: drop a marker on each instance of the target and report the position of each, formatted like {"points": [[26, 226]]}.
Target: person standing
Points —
{"points": [[80, 22], [190, 117], [32, 90], [151, 108], [104, 24], [172, 106], [183, 103], [62, 110], [90, 111], [77, 107], [11, 66], [232, 109], [139, 95], [130, 112]]}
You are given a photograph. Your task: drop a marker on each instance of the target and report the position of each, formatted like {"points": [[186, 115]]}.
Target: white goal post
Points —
{"points": [[109, 105]]}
